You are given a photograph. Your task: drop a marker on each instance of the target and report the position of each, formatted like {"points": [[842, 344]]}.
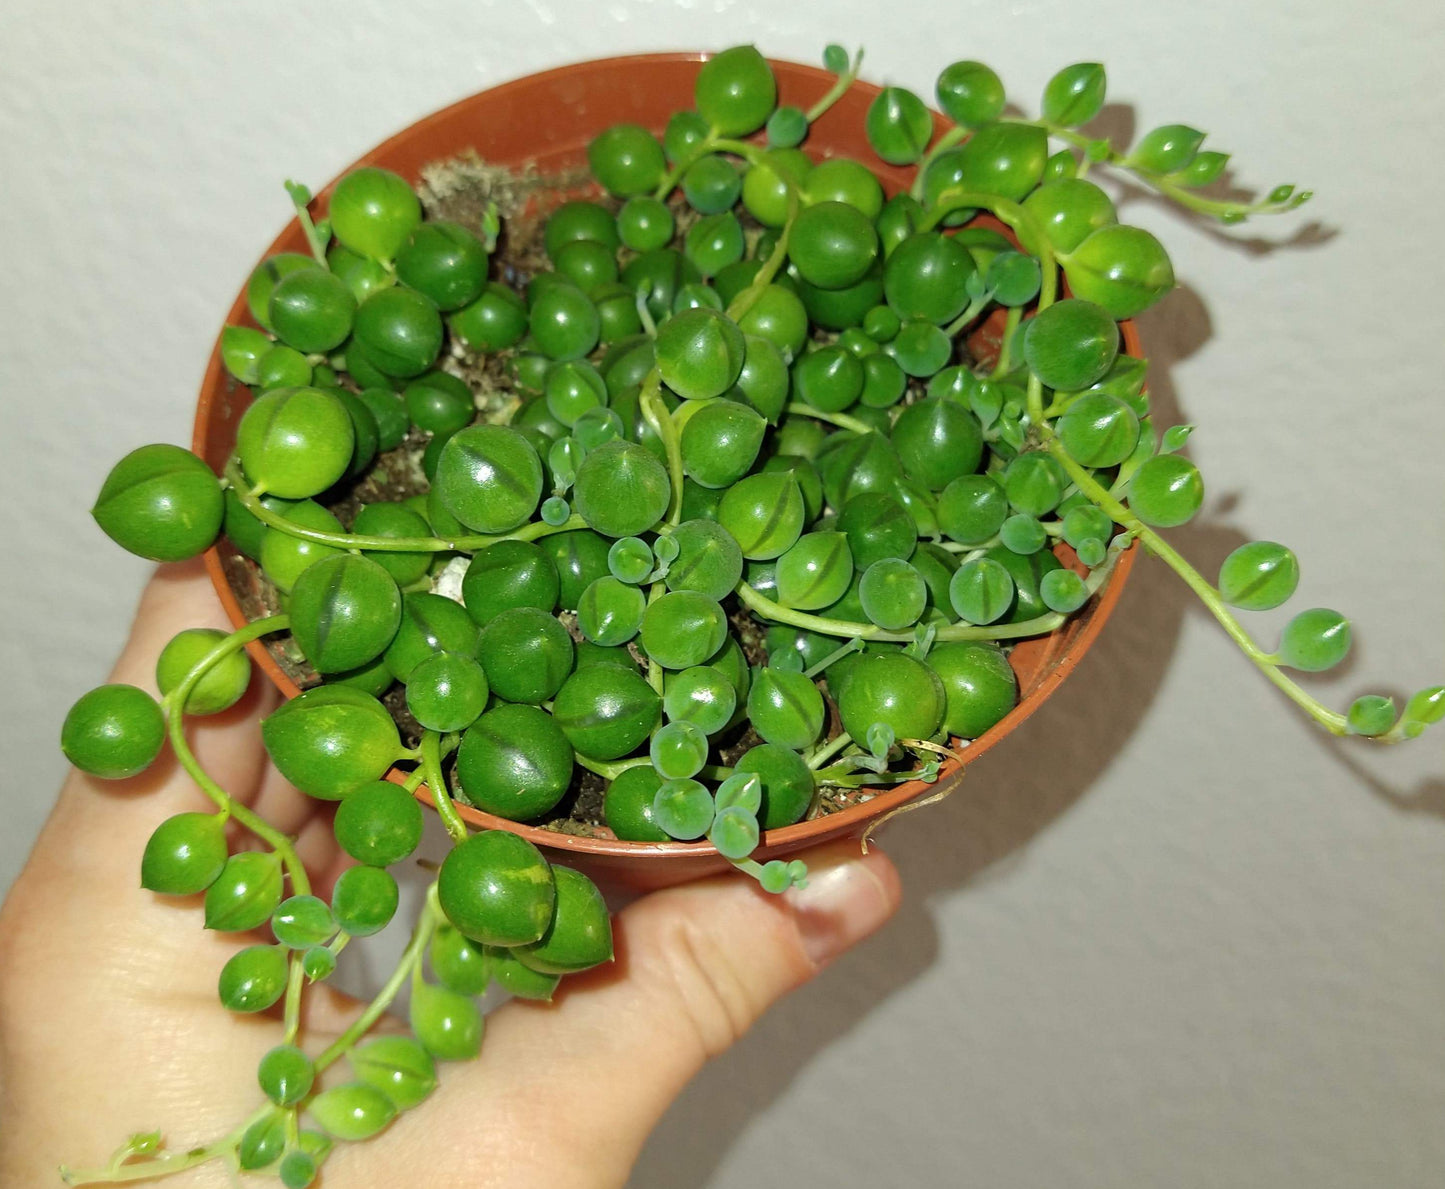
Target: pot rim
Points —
{"points": [[849, 821]]}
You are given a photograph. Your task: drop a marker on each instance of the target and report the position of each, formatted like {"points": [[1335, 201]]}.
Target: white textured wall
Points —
{"points": [[1169, 934]]}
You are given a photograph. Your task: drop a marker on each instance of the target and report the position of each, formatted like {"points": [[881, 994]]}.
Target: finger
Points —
{"points": [[695, 967]]}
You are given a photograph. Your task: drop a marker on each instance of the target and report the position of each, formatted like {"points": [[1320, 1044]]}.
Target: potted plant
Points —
{"points": [[706, 493]]}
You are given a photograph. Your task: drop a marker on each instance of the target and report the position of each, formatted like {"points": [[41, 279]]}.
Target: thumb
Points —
{"points": [[695, 967]]}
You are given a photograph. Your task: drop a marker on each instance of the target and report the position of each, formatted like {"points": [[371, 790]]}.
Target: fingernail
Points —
{"points": [[840, 906]]}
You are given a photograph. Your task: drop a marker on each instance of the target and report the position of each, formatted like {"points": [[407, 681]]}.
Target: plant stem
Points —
{"points": [[411, 957], [1331, 720], [657, 415], [654, 670], [172, 705], [1216, 208], [841, 420], [295, 982], [308, 228], [975, 308], [749, 296], [837, 90], [431, 763], [1040, 625], [610, 771], [833, 658], [828, 750], [166, 1163], [251, 500], [1011, 324], [942, 145]]}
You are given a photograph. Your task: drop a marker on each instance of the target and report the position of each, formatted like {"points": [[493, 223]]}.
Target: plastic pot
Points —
{"points": [[547, 119]]}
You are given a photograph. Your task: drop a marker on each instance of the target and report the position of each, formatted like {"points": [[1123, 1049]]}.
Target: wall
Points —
{"points": [[1169, 934]]}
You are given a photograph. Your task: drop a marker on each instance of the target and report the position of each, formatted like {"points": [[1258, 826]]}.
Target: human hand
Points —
{"points": [[110, 1023]]}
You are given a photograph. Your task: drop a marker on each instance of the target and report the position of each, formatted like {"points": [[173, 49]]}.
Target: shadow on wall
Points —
{"points": [[982, 831]]}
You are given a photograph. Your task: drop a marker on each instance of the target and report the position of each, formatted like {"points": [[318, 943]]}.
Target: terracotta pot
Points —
{"points": [[548, 119]]}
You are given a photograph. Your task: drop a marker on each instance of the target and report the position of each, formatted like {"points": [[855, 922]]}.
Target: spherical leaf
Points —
{"points": [[709, 561], [787, 784], [449, 1026], [833, 244], [938, 441], [927, 275], [580, 933], [763, 513], [1166, 491], [815, 571], [785, 708], [981, 591], [1034, 483], [490, 478], [626, 159], [606, 711], [682, 628], [678, 750], [1258, 576], [459, 963], [253, 978], [506, 575], [399, 331], [734, 832], [896, 690], [622, 489], [1023, 534], [610, 612], [1071, 344], [443, 261], [345, 610], [1069, 210], [1099, 430], [516, 762], [113, 731], [364, 900], [898, 126], [1063, 591], [1371, 715], [699, 353], [161, 502], [372, 212], [972, 509], [735, 91], [1166, 149], [246, 892], [300, 922], [379, 824], [720, 442], [978, 683], [1124, 269], [295, 442], [893, 594], [1315, 640], [526, 653], [683, 808], [497, 888], [352, 1111], [184, 854], [1074, 95], [330, 740], [398, 1066], [286, 1075], [970, 93], [627, 805], [311, 310]]}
